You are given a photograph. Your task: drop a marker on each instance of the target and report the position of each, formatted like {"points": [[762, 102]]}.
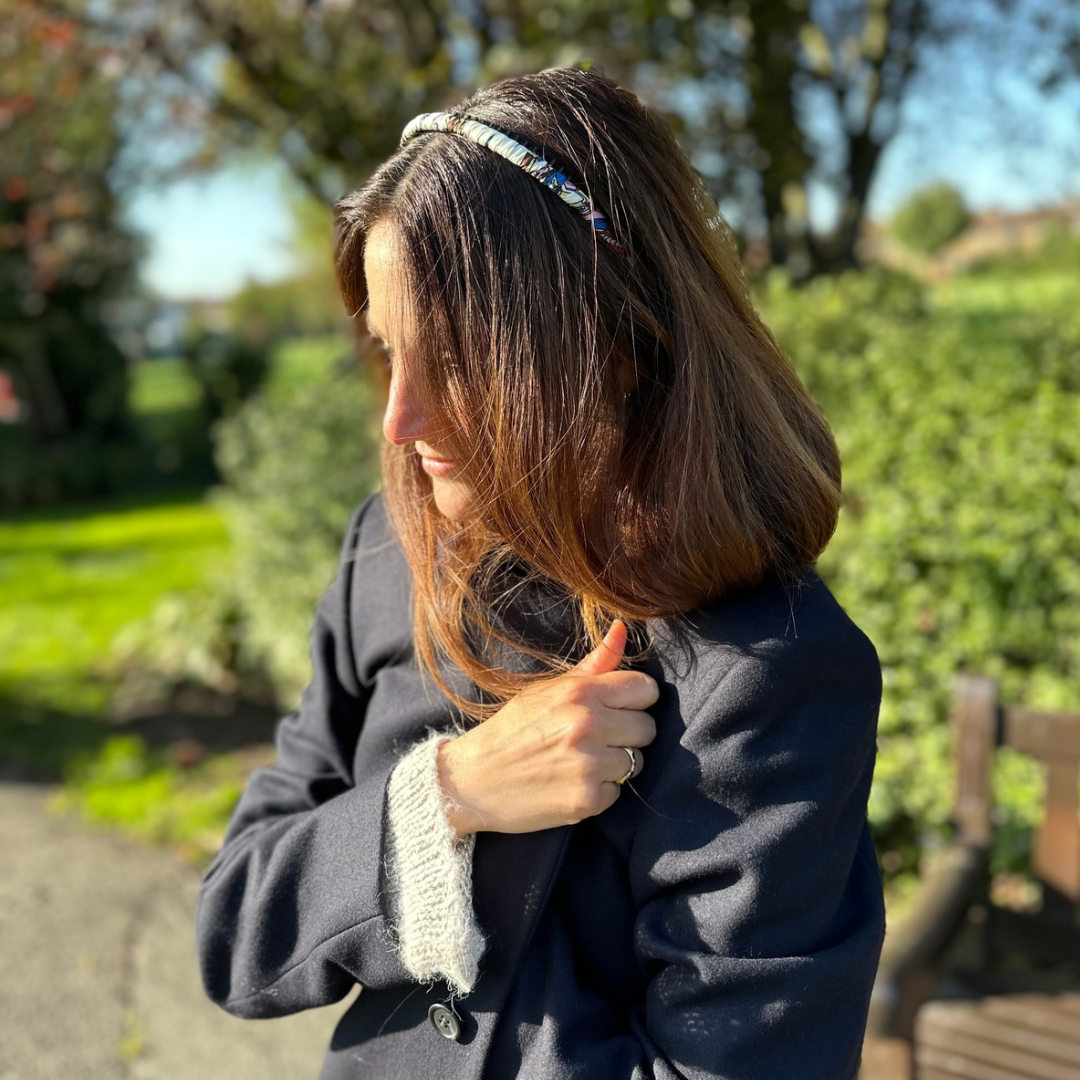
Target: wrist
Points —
{"points": [[454, 784]]}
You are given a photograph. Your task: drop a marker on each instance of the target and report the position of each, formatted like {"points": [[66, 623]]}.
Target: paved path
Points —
{"points": [[99, 976]]}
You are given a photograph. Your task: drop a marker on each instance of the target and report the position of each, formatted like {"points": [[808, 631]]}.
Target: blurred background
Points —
{"points": [[186, 422]]}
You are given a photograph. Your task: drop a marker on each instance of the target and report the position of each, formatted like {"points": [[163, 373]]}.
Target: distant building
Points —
{"points": [[989, 233]]}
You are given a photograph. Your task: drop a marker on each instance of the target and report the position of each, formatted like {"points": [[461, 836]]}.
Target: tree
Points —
{"points": [[63, 259], [932, 217], [775, 100]]}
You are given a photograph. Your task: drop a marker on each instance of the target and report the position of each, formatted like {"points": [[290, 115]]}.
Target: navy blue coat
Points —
{"points": [[724, 921]]}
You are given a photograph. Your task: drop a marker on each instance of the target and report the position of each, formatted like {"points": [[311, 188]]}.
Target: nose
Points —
{"points": [[407, 419], [404, 420]]}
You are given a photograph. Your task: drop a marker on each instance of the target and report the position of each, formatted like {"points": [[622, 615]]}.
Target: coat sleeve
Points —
{"points": [[760, 915], [289, 913]]}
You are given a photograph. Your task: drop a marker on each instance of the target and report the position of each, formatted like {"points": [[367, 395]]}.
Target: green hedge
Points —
{"points": [[959, 541]]}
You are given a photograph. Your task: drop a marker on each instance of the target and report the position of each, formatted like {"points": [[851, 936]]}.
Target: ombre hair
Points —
{"points": [[717, 470]]}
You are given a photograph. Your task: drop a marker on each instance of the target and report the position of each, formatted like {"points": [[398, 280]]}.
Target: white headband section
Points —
{"points": [[502, 144]]}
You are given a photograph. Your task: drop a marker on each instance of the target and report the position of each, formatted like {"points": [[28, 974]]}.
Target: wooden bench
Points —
{"points": [[967, 988]]}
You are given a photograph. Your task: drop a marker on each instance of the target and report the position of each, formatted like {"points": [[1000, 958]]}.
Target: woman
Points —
{"points": [[588, 429]]}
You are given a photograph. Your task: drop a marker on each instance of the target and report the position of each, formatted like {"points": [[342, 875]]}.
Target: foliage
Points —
{"points": [[228, 367], [959, 539], [302, 361], [294, 467], [146, 601], [78, 464], [153, 795], [1058, 252], [64, 258], [190, 639], [772, 99], [296, 306], [169, 415], [201, 637], [930, 218]]}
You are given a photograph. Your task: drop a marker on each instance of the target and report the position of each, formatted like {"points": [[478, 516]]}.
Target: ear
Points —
{"points": [[627, 376]]}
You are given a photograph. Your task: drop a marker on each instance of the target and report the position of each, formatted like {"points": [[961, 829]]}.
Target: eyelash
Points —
{"points": [[383, 350]]}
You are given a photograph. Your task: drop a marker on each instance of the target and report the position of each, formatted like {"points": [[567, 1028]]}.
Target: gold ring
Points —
{"points": [[633, 765]]}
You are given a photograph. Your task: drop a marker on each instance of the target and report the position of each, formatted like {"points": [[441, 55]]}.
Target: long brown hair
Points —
{"points": [[716, 470]]}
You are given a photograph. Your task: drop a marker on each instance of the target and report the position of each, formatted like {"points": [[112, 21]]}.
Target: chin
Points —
{"points": [[454, 500]]}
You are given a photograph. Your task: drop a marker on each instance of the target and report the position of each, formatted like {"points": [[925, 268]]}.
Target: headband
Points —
{"points": [[503, 145]]}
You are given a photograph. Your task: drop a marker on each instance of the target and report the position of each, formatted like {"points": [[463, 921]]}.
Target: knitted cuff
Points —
{"points": [[429, 874]]}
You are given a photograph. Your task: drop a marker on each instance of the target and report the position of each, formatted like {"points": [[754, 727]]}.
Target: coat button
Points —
{"points": [[444, 1021]]}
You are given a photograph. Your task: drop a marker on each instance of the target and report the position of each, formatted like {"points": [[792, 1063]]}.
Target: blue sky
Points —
{"points": [[208, 235]]}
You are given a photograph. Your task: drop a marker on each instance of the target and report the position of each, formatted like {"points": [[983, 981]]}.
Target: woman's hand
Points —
{"points": [[552, 755]]}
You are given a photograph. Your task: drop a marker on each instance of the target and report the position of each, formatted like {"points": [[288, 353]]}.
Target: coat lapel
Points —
{"points": [[514, 873]]}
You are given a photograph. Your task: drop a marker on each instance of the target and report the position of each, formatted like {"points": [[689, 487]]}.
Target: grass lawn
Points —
{"points": [[71, 578], [162, 390]]}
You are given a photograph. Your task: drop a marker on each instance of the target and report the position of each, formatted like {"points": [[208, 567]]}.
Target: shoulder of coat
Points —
{"points": [[781, 629]]}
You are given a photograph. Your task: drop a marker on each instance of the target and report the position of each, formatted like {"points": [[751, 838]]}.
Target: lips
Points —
{"points": [[438, 466]]}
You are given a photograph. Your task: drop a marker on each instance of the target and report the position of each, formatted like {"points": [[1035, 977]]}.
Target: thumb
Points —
{"points": [[608, 655]]}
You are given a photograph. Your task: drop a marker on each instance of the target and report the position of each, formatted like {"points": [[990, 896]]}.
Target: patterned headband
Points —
{"points": [[522, 156]]}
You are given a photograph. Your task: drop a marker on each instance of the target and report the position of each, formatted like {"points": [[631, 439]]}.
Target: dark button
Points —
{"points": [[445, 1022]]}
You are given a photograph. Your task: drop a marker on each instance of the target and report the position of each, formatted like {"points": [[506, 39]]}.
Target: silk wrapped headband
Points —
{"points": [[502, 144]]}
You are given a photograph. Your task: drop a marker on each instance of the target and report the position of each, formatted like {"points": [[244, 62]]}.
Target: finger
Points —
{"points": [[619, 761], [607, 656], [627, 689], [626, 727]]}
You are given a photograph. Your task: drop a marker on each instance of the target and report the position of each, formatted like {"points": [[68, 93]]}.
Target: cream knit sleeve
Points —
{"points": [[429, 874]]}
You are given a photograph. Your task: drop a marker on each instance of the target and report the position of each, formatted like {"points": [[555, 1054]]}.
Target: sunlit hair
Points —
{"points": [[717, 470]]}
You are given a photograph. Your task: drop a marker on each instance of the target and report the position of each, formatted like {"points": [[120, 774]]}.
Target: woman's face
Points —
{"points": [[390, 317]]}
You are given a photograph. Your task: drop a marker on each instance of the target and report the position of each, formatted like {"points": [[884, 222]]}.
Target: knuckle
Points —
{"points": [[645, 681], [581, 803], [576, 691], [584, 724]]}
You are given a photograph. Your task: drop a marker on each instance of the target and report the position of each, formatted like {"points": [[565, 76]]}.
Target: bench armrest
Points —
{"points": [[913, 950]]}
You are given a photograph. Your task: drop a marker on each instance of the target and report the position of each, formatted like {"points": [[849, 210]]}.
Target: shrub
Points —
{"points": [[227, 367], [959, 540], [294, 469]]}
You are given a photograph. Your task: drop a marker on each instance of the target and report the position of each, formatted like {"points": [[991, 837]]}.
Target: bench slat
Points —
{"points": [[1043, 1012], [971, 1019], [977, 1049], [932, 1064]]}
